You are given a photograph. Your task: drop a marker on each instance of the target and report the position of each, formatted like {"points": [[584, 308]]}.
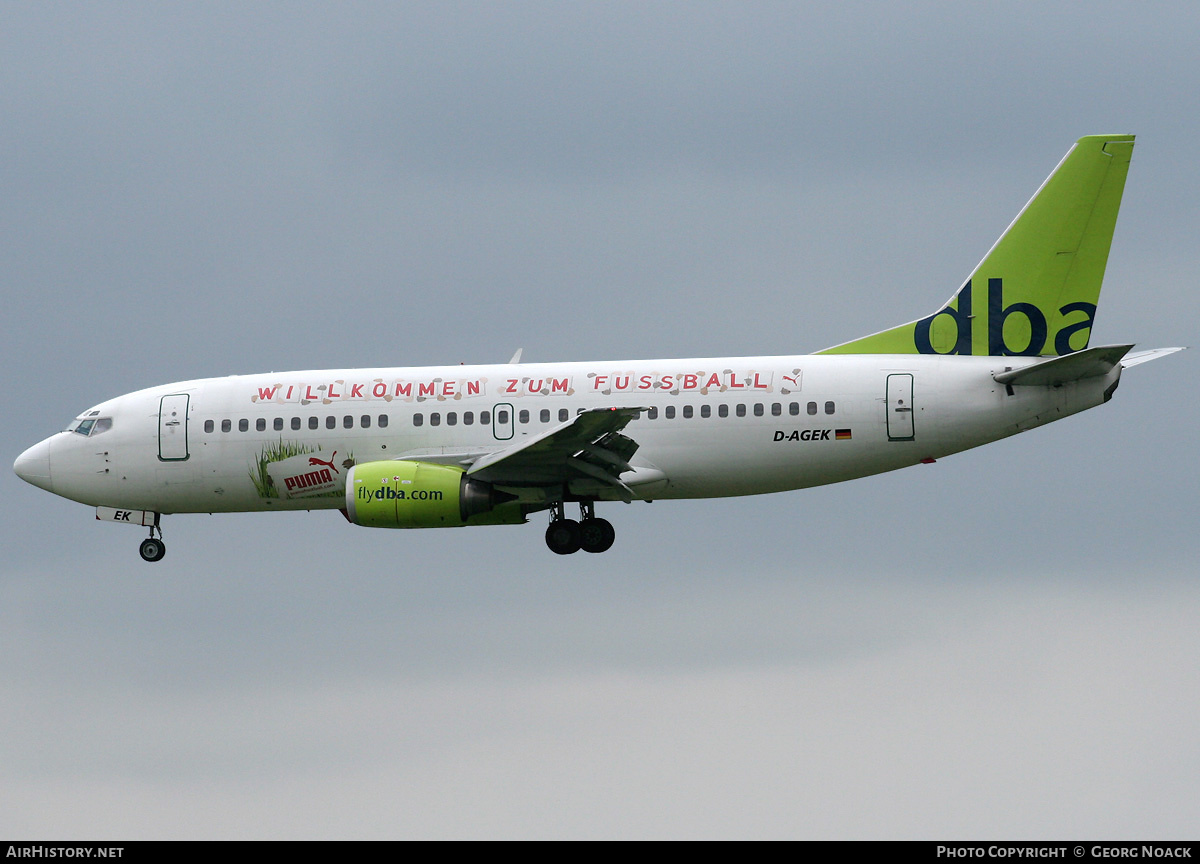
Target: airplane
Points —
{"points": [[453, 446]]}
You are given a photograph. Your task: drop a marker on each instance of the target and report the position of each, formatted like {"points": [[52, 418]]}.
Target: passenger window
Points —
{"points": [[278, 424], [741, 410], [794, 408], [435, 418], [545, 415], [295, 424], [209, 426], [722, 410], [776, 409], [812, 407], [705, 410], [418, 419], [383, 421], [670, 412], [365, 421], [330, 423], [502, 416], [226, 426], [452, 418], [313, 422], [828, 407], [563, 415], [260, 425], [468, 418], [687, 412], [348, 422], [523, 416], [244, 425], [652, 414], [485, 417], [758, 409]]}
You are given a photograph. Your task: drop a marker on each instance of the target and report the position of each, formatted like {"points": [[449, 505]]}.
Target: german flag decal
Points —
{"points": [[842, 434]]}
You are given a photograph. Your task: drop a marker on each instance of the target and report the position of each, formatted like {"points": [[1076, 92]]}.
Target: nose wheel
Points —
{"points": [[153, 548], [590, 533]]}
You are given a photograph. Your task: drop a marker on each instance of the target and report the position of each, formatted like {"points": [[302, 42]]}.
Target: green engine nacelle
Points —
{"points": [[405, 494]]}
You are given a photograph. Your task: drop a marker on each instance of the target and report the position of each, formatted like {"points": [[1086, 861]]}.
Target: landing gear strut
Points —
{"points": [[152, 548], [590, 533]]}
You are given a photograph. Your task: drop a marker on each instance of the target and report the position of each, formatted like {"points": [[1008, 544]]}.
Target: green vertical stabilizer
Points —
{"points": [[1035, 292]]}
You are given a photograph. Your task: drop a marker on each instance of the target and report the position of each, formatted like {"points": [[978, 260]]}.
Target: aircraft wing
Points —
{"points": [[589, 445]]}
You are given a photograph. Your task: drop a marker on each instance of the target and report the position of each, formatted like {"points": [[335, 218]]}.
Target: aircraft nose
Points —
{"points": [[33, 466]]}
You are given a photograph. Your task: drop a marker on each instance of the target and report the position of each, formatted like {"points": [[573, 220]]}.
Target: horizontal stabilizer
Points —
{"points": [[1147, 356], [1091, 363]]}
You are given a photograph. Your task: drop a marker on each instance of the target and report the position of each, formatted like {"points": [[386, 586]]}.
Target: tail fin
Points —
{"points": [[1035, 292]]}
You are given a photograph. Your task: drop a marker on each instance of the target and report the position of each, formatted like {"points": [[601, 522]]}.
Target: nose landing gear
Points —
{"points": [[591, 534], [152, 548]]}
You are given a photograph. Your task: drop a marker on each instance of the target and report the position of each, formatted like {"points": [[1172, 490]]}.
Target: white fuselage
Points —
{"points": [[740, 426]]}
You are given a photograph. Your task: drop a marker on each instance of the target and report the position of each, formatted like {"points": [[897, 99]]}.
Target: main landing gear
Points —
{"points": [[153, 548], [590, 533]]}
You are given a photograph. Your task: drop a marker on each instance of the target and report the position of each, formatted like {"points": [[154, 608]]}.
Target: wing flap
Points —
{"points": [[598, 473]]}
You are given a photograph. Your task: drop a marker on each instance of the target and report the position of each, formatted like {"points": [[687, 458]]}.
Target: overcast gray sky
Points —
{"points": [[1002, 644]]}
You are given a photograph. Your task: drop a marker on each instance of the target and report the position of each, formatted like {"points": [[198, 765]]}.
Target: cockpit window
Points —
{"points": [[92, 425]]}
